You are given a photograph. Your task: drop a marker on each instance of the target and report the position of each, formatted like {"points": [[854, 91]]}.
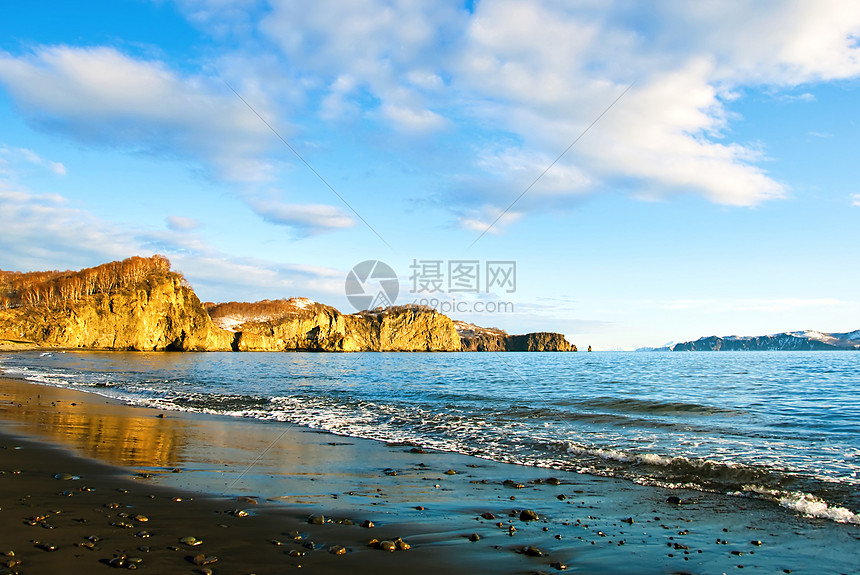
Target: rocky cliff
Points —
{"points": [[476, 338], [300, 324], [139, 304], [152, 311]]}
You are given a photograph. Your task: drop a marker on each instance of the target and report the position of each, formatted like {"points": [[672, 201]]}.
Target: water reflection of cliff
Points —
{"points": [[98, 431]]}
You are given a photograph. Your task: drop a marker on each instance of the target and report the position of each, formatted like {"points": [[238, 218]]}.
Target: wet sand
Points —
{"points": [[78, 472]]}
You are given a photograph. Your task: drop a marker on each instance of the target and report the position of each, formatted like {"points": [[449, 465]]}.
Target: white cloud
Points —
{"points": [[488, 220], [101, 96], [44, 231], [769, 305], [181, 223], [305, 219], [17, 155], [856, 200]]}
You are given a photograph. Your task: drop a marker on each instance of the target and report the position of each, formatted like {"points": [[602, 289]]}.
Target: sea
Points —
{"points": [[780, 426]]}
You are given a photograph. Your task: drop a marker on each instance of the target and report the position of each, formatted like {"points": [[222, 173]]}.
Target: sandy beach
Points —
{"points": [[87, 483]]}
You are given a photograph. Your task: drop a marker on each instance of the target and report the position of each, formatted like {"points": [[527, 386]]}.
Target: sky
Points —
{"points": [[626, 173]]}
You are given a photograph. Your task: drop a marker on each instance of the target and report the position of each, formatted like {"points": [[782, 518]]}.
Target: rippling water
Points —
{"points": [[781, 425]]}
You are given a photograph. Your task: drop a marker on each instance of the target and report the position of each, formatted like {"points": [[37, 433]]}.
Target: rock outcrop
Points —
{"points": [[139, 304], [299, 324], [476, 338], [157, 313]]}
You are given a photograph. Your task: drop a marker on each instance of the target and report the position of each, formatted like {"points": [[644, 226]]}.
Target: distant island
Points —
{"points": [[139, 304], [788, 341]]}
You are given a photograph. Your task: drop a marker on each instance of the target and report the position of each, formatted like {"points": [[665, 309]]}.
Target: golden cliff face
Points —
{"points": [[138, 304], [158, 314], [323, 328]]}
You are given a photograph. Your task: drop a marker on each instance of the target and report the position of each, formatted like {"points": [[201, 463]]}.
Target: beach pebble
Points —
{"points": [[552, 481], [532, 551], [673, 500], [239, 513], [514, 484], [248, 500], [474, 537], [309, 545], [558, 565], [295, 535], [65, 476], [417, 450], [488, 516], [206, 571], [368, 524], [141, 518], [756, 543], [561, 497], [316, 520], [337, 550], [203, 559], [402, 545], [528, 515], [628, 520], [387, 546], [450, 472], [191, 541]]}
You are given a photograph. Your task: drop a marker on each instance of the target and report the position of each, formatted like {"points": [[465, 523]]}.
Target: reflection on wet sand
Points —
{"points": [[96, 429]]}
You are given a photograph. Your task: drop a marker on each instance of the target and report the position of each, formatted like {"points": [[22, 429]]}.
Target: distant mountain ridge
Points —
{"points": [[808, 340]]}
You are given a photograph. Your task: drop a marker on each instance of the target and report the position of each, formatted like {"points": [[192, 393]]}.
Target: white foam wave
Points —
{"points": [[811, 506]]}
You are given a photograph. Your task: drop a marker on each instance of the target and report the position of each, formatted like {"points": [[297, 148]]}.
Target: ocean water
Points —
{"points": [[781, 426]]}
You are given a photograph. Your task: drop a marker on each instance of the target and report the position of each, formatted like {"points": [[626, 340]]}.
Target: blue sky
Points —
{"points": [[718, 195]]}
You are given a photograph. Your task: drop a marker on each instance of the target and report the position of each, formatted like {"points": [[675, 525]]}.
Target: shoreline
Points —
{"points": [[293, 472]]}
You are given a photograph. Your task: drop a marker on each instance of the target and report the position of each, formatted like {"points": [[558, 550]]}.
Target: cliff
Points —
{"points": [[300, 324], [139, 304], [149, 310], [788, 341], [476, 338]]}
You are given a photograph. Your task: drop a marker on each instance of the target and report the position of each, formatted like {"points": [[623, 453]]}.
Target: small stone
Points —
{"points": [[561, 497], [296, 553], [552, 481], [387, 546], [558, 565], [417, 450], [112, 505], [474, 537], [756, 543], [337, 550], [528, 515], [488, 516], [242, 513], [295, 535], [316, 520], [141, 518], [368, 524], [532, 551], [203, 559], [309, 545], [628, 520], [191, 541], [402, 545], [206, 571], [673, 500], [47, 547], [65, 476], [419, 508], [450, 472]]}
